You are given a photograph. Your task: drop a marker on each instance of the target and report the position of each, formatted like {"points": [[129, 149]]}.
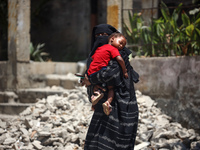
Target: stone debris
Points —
{"points": [[60, 122]]}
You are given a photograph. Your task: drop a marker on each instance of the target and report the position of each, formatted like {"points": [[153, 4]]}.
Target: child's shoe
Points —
{"points": [[107, 108], [96, 97]]}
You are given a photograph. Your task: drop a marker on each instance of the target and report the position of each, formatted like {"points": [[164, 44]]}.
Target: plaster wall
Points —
{"points": [[174, 83], [32, 75]]}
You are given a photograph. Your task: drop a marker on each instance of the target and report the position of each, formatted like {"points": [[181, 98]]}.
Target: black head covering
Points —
{"points": [[101, 40]]}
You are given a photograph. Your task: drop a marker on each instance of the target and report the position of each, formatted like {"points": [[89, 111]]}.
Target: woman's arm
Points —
{"points": [[122, 64], [113, 70]]}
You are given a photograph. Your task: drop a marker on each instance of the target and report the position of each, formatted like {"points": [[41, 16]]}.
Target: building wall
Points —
{"points": [[174, 83]]}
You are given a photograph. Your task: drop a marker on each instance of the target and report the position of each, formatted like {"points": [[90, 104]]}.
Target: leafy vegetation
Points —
{"points": [[37, 53], [164, 37]]}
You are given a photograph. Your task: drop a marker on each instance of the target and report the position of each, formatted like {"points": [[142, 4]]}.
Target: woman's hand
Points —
{"points": [[85, 81], [126, 75]]}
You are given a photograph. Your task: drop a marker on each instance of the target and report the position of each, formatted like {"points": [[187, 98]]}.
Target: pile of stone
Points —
{"points": [[55, 122], [61, 123], [156, 130]]}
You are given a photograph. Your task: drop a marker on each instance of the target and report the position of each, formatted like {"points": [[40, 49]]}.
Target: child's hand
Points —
{"points": [[85, 81], [126, 75]]}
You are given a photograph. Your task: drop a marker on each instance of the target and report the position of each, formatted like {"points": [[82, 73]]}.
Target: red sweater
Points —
{"points": [[101, 57]]}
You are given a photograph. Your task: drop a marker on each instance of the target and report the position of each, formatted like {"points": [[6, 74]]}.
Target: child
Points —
{"points": [[100, 59]]}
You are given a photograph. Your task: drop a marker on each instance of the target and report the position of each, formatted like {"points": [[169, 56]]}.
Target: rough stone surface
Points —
{"points": [[173, 83], [61, 121]]}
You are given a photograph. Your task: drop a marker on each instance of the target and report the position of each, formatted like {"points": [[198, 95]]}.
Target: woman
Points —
{"points": [[118, 130]]}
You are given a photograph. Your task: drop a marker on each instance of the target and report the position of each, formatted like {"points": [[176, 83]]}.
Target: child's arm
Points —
{"points": [[122, 64]]}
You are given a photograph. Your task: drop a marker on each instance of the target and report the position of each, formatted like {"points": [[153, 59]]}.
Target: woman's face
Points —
{"points": [[101, 34], [118, 42]]}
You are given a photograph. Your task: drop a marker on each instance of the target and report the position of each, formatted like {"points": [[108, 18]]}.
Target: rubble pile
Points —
{"points": [[61, 123], [156, 130]]}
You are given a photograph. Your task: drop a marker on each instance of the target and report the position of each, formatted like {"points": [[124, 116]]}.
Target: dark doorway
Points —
{"points": [[3, 30]]}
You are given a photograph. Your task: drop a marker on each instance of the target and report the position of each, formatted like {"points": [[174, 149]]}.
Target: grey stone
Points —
{"points": [[64, 134], [167, 135], [9, 141], [141, 146], [25, 138], [2, 131], [50, 141], [195, 145], [65, 118], [146, 100], [57, 132], [82, 136], [28, 123], [73, 96], [29, 146], [44, 134], [59, 102], [40, 105], [58, 145], [183, 134], [74, 138], [70, 128], [176, 144], [3, 124], [48, 148], [5, 147], [161, 120], [50, 107], [24, 131], [69, 147], [44, 117], [2, 138], [26, 112], [160, 143], [37, 144], [145, 136], [47, 127]]}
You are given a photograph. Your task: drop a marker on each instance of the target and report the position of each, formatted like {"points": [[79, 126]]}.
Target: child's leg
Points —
{"points": [[110, 94], [106, 105]]}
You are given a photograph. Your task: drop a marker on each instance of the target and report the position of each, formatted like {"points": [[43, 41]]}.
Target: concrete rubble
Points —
{"points": [[60, 122]]}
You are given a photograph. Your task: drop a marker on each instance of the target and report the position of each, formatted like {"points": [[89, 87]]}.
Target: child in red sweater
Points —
{"points": [[100, 59]]}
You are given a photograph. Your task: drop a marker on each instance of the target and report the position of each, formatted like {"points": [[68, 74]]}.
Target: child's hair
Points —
{"points": [[115, 34]]}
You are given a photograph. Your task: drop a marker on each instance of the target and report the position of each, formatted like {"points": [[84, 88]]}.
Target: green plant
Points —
{"points": [[164, 37], [133, 32], [190, 39], [169, 33], [37, 54]]}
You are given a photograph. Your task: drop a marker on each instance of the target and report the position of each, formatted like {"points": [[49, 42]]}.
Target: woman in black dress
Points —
{"points": [[116, 131]]}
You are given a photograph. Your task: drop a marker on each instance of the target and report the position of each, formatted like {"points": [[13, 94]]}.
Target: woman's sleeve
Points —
{"points": [[134, 74], [105, 76]]}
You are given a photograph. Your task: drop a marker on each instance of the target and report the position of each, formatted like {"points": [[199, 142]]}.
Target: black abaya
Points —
{"points": [[118, 130]]}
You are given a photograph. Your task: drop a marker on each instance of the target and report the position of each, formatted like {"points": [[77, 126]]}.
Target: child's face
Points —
{"points": [[118, 42]]}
